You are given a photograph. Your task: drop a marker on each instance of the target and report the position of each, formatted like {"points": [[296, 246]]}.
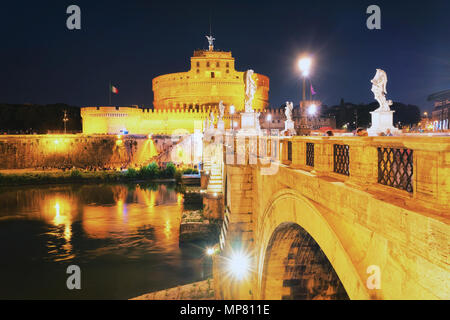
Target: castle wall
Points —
{"points": [[110, 120]]}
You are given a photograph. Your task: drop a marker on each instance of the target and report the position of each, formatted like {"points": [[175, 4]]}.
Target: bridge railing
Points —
{"points": [[417, 167], [251, 149]]}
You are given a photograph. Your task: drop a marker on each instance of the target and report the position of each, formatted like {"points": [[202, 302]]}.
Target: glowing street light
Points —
{"points": [[232, 116], [304, 64], [312, 109], [269, 120], [239, 265], [210, 251]]}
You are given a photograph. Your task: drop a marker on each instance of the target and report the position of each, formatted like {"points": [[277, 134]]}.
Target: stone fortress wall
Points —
{"points": [[111, 120]]}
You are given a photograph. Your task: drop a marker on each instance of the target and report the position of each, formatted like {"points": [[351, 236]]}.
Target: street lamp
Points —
{"points": [[269, 120], [304, 64], [312, 110], [65, 119], [239, 265], [232, 116]]}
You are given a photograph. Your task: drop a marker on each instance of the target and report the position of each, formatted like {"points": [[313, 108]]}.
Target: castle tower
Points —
{"points": [[212, 77]]}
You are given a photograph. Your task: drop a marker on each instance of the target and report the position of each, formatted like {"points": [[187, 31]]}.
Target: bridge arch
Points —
{"points": [[299, 254]]}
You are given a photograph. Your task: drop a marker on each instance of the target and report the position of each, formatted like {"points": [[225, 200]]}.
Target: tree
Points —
{"points": [[27, 118]]}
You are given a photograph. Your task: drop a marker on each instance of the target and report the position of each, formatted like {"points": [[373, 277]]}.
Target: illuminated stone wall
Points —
{"points": [[111, 120], [37, 151]]}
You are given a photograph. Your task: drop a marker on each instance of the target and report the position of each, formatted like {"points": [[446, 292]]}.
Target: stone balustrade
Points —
{"points": [[412, 167]]}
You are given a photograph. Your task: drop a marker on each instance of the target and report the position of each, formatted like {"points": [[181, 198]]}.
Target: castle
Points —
{"points": [[182, 101]]}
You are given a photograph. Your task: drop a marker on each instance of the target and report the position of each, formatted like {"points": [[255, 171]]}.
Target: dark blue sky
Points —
{"points": [[130, 42]]}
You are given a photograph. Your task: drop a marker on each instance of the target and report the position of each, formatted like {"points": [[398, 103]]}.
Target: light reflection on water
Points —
{"points": [[124, 238]]}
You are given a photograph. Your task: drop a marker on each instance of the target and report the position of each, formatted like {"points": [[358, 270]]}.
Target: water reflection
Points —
{"points": [[131, 230]]}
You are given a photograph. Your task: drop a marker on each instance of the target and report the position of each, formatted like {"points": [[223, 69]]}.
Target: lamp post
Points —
{"points": [[312, 110], [269, 120], [304, 64], [232, 116], [65, 119]]}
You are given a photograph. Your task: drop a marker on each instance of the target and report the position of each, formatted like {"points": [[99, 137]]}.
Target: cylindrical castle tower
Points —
{"points": [[212, 78]]}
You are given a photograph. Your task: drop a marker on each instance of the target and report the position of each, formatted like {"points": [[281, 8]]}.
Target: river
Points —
{"points": [[124, 238]]}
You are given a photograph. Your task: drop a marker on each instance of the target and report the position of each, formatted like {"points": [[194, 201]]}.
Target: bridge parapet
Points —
{"points": [[414, 167]]}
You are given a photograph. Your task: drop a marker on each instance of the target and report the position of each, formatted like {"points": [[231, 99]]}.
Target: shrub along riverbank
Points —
{"points": [[151, 172]]}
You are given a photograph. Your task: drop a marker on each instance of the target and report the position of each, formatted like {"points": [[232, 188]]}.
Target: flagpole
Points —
{"points": [[310, 91], [109, 89]]}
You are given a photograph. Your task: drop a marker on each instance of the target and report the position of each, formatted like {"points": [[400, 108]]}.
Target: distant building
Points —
{"points": [[441, 112], [303, 122]]}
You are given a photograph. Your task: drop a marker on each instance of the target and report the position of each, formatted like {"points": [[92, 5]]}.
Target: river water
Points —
{"points": [[124, 238]]}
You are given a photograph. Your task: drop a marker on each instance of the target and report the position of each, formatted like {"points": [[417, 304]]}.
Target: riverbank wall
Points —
{"points": [[79, 150]]}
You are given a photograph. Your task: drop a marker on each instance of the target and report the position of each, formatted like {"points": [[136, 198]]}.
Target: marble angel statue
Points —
{"points": [[379, 90]]}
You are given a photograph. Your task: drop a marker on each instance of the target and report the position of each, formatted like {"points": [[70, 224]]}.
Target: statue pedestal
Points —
{"points": [[289, 128], [381, 121], [221, 125], [249, 123]]}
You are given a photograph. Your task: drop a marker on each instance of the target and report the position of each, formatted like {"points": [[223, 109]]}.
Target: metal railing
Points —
{"points": [[309, 154], [341, 159], [395, 168]]}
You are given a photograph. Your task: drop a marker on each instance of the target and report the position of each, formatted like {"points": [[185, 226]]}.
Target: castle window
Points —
{"points": [[198, 71], [228, 64], [198, 64], [212, 75], [217, 64], [207, 64], [228, 71]]}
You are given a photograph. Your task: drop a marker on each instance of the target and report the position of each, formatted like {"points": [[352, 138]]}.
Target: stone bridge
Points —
{"points": [[334, 218]]}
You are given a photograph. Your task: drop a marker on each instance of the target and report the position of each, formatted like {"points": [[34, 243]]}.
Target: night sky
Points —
{"points": [[131, 42]]}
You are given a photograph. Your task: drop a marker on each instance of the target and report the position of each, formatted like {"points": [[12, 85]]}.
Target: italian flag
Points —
{"points": [[114, 89]]}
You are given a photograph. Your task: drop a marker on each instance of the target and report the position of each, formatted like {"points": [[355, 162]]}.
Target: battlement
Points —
{"points": [[216, 54]]}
